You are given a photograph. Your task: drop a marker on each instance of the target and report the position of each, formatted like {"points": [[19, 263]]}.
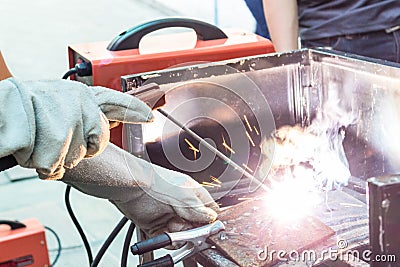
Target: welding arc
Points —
{"points": [[212, 149]]}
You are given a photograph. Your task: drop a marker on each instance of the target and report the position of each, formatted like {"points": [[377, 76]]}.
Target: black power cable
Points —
{"points": [[108, 241], [82, 69], [69, 73], [77, 225], [85, 69], [67, 201], [125, 250], [59, 245]]}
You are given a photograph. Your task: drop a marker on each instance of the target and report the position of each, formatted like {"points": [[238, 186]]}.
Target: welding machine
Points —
{"points": [[23, 244], [109, 61]]}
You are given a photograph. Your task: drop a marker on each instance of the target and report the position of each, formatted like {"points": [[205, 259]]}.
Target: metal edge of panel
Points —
{"points": [[245, 64], [305, 74], [206, 70]]}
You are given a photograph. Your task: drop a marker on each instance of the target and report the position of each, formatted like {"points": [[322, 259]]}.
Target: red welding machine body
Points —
{"points": [[24, 246], [157, 52]]}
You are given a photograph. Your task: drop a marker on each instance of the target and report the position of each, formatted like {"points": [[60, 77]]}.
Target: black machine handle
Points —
{"points": [[13, 224], [165, 261], [130, 39], [7, 162], [151, 244]]}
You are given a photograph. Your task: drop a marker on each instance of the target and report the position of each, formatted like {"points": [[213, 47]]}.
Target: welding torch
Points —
{"points": [[153, 96]]}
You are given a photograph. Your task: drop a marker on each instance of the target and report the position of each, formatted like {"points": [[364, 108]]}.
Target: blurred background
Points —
{"points": [[35, 34], [34, 40]]}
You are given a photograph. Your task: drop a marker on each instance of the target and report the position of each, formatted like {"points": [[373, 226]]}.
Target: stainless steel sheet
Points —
{"points": [[295, 86]]}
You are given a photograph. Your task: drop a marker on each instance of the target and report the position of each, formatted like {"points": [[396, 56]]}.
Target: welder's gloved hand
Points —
{"points": [[52, 125], [155, 198]]}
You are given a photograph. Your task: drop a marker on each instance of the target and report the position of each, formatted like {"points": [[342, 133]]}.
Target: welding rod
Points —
{"points": [[213, 149]]}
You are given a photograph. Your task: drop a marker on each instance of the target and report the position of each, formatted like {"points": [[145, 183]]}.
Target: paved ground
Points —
{"points": [[34, 40]]}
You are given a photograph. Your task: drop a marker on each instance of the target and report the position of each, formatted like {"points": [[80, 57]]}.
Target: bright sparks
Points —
{"points": [[215, 179], [250, 139], [291, 200], [211, 184], [247, 122], [255, 129], [307, 162], [227, 146], [192, 147], [247, 168]]}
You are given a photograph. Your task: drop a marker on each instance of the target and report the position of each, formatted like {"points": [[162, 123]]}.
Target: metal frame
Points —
{"points": [[296, 85]]}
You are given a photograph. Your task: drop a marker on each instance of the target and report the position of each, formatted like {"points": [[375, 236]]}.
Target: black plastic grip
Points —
{"points": [[130, 39], [7, 162], [13, 224], [151, 244], [165, 261]]}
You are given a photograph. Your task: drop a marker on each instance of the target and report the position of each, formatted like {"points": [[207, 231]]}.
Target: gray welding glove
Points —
{"points": [[52, 125], [155, 198]]}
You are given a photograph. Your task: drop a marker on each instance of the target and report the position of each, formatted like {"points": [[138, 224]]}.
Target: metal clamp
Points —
{"points": [[195, 241], [151, 94]]}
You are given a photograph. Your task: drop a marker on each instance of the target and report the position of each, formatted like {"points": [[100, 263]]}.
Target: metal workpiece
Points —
{"points": [[384, 220], [249, 229]]}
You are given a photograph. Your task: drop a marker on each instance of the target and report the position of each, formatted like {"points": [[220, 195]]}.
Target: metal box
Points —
{"points": [[24, 246], [295, 85]]}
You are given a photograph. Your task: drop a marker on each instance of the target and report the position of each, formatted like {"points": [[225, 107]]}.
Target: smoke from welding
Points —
{"points": [[306, 162], [314, 153]]}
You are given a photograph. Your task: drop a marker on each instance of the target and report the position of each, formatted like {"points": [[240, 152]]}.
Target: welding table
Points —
{"points": [[345, 214]]}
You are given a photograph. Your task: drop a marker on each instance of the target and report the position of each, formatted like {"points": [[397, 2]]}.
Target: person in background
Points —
{"points": [[256, 8], [369, 28]]}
